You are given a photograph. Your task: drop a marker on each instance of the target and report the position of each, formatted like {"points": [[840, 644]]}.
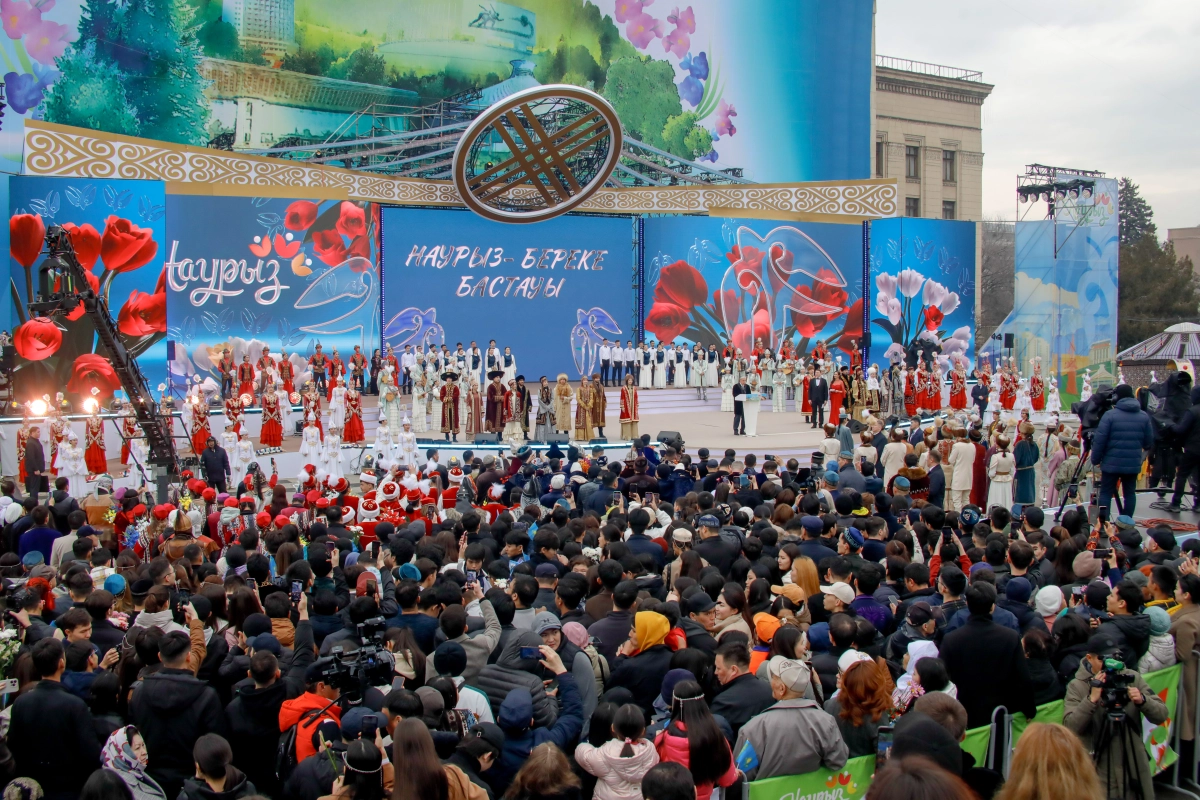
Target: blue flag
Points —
{"points": [[748, 758]]}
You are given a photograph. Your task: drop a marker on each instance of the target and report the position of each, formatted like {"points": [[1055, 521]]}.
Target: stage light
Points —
{"points": [[1073, 194], [38, 407], [1023, 197], [1045, 197], [1087, 192], [90, 405], [1060, 194]]}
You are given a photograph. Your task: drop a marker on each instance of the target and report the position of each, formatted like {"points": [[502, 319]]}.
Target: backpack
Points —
{"points": [[285, 752], [599, 667]]}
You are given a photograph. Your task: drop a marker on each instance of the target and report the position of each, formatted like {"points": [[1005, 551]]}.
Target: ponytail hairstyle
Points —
{"points": [[629, 725]]}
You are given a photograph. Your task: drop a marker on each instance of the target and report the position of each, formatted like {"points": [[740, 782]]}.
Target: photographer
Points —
{"points": [[1104, 705], [1118, 445]]}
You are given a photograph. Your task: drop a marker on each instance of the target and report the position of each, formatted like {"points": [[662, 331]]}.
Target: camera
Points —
{"points": [[1114, 689], [370, 665]]}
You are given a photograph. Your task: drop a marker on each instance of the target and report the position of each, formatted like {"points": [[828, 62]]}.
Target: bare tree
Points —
{"points": [[996, 276]]}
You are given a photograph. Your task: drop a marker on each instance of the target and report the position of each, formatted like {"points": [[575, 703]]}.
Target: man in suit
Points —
{"points": [[35, 463], [739, 412], [818, 394], [937, 480]]}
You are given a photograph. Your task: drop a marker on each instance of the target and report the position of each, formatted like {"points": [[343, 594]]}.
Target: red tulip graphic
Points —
{"points": [[37, 339], [26, 233]]}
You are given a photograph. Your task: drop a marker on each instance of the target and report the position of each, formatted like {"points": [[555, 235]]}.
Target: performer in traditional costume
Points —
{"points": [[874, 392], [23, 438], [408, 445], [908, 379], [337, 371], [494, 408], [1037, 387], [645, 367], [197, 411], [245, 374], [312, 406], [358, 369], [95, 455], [233, 412], [389, 398], [584, 410], [353, 431], [629, 410], [508, 363], [524, 406], [420, 394], [779, 382], [331, 456], [837, 397], [433, 380], [337, 403], [449, 397], [599, 404], [473, 410], [766, 371], [71, 464], [376, 369], [512, 423], [727, 389], [227, 368], [319, 364], [287, 373], [543, 423], [563, 394], [271, 433], [958, 386]]}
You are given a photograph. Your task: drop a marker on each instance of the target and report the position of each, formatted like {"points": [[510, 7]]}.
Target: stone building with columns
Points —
{"points": [[929, 136]]}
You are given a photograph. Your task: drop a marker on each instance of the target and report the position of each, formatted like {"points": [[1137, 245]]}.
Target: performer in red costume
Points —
{"points": [[94, 454], [265, 366], [337, 369], [958, 385], [245, 374], [358, 370], [233, 413], [910, 392], [1037, 387], [312, 405], [837, 395], [319, 363], [271, 434], [1008, 386], [287, 373], [201, 431], [227, 367], [353, 431]]}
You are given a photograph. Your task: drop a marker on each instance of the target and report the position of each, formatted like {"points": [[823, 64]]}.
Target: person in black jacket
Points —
{"points": [[105, 635], [253, 714], [713, 547], [644, 660], [818, 395], [35, 464], [215, 463], [172, 708], [477, 752], [987, 663], [314, 776], [739, 414], [51, 734], [742, 695], [1187, 431]]}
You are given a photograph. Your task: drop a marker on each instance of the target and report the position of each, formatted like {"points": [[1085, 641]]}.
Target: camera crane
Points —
{"points": [[62, 288]]}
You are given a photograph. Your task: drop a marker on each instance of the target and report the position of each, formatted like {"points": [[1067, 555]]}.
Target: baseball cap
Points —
{"points": [[849, 658], [841, 591], [546, 571], [700, 603], [968, 516], [490, 732], [708, 521], [545, 621], [793, 674], [1101, 644], [765, 626], [352, 722], [919, 613]]}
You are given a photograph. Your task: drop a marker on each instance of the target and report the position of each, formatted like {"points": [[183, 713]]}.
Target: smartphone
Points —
{"points": [[297, 588], [651, 498], [947, 536], [185, 597], [1102, 552], [472, 576], [370, 724], [1078, 591], [883, 747], [531, 652]]}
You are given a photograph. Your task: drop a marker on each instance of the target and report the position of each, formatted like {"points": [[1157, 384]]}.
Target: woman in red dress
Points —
{"points": [[233, 413], [958, 387], [629, 410], [201, 432], [910, 391], [837, 395], [805, 400], [352, 431], [312, 405], [271, 434], [1037, 387], [22, 438], [94, 455]]}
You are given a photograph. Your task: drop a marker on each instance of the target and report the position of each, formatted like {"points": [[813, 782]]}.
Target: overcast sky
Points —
{"points": [[1110, 85]]}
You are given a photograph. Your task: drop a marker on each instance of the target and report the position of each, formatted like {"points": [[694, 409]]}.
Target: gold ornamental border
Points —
{"points": [[66, 151]]}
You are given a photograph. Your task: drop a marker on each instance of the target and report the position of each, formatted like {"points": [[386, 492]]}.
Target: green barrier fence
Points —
{"points": [[851, 781], [976, 743]]}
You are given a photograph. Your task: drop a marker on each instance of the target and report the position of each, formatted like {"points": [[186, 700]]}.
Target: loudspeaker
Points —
{"points": [[671, 439], [170, 349], [299, 427], [598, 441], [1008, 341], [487, 438]]}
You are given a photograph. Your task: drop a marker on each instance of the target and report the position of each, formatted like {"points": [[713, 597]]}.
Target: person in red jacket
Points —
{"points": [[309, 710]]}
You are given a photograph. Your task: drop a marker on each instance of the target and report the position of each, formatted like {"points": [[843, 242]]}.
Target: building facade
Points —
{"points": [[929, 136], [269, 24], [1187, 244]]}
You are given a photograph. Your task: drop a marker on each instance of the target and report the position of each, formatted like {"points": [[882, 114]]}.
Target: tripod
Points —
{"points": [[1073, 486], [1115, 726]]}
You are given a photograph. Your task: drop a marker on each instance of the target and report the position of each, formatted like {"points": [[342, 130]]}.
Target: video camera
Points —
{"points": [[370, 665], [1114, 689], [1091, 410]]}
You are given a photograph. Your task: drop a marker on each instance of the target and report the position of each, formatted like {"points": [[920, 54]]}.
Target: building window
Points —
{"points": [[948, 209], [912, 161], [879, 151], [912, 206], [249, 109], [948, 172]]}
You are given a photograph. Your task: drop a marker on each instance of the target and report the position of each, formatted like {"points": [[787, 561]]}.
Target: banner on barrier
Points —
{"points": [[976, 743], [851, 781], [1165, 684]]}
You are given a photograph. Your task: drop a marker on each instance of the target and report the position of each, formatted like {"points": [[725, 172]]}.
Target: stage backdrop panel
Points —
{"points": [[711, 280], [922, 289], [1065, 297], [552, 291], [119, 234], [245, 273]]}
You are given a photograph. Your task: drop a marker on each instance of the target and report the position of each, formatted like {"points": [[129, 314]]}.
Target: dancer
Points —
{"points": [[271, 433], [358, 369], [95, 457], [679, 379], [408, 446], [645, 369], [318, 363], [245, 375], [353, 431], [660, 367], [226, 367], [337, 372], [287, 372], [72, 465], [337, 403], [958, 385], [331, 456], [245, 454], [233, 412], [312, 406], [1037, 387], [512, 422], [310, 440], [389, 401], [265, 366], [420, 397], [629, 410]]}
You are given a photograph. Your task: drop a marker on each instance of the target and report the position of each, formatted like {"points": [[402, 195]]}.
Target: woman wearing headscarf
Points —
{"points": [[644, 660], [125, 754]]}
